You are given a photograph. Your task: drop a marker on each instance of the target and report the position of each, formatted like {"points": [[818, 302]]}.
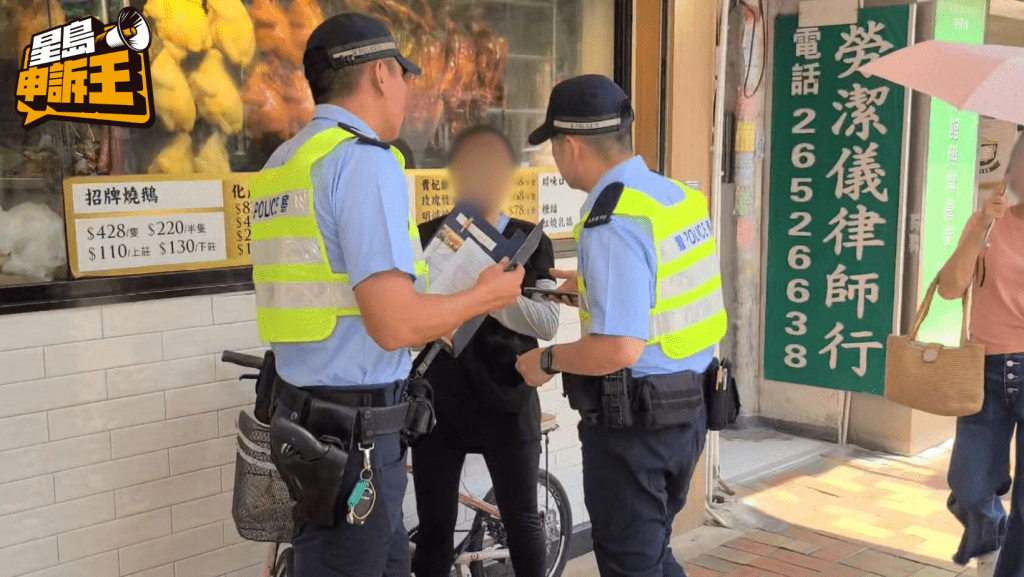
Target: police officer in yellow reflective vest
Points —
{"points": [[335, 256], [650, 300]]}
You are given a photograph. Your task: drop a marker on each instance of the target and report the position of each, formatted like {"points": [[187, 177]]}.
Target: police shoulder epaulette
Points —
{"points": [[364, 138], [605, 205]]}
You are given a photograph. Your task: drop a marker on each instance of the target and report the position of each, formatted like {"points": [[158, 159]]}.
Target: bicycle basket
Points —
{"points": [[261, 507]]}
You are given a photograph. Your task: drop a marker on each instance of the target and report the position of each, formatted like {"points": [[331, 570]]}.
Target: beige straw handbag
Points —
{"points": [[947, 381]]}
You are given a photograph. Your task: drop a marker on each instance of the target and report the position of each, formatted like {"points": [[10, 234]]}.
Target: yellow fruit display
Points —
{"points": [[175, 157], [216, 96], [232, 30], [182, 22], [161, 46], [213, 156], [171, 95]]}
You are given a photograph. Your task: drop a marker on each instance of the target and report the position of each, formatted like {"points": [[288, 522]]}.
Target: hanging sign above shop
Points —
{"points": [[834, 210], [145, 224]]}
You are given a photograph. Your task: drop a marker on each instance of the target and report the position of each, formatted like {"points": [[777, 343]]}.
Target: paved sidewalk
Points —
{"points": [[850, 513]]}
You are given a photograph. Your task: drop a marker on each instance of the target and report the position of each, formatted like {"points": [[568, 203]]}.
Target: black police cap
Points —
{"points": [[348, 39], [588, 104]]}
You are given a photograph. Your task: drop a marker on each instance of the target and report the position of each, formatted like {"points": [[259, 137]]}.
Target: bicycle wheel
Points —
{"points": [[285, 560], [556, 519]]}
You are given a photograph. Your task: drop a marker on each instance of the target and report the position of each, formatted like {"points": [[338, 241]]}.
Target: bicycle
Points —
{"points": [[483, 552]]}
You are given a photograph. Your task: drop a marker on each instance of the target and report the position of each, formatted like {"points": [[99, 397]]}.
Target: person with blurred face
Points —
{"points": [[335, 257], [991, 256], [483, 406]]}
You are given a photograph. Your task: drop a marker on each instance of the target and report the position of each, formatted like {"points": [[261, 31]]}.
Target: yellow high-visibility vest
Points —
{"points": [[298, 297], [689, 311]]}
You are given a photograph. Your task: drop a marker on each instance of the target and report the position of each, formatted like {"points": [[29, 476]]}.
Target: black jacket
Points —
{"points": [[480, 398]]}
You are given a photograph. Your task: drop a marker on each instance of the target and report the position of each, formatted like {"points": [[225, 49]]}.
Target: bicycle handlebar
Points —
{"points": [[242, 359]]}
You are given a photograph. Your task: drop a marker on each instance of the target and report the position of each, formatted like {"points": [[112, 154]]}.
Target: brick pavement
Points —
{"points": [[851, 513]]}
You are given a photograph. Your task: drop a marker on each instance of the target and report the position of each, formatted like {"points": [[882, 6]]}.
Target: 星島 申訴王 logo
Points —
{"points": [[84, 71]]}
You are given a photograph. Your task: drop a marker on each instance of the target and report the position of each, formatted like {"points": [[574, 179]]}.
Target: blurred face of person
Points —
{"points": [[390, 80], [482, 171]]}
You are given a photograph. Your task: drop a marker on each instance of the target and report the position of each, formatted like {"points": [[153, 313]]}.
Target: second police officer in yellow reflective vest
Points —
{"points": [[651, 308], [333, 264]]}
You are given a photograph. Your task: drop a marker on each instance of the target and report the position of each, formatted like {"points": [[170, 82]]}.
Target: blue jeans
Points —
{"points": [[979, 470]]}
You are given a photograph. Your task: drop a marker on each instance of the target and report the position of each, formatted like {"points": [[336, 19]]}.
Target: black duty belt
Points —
{"points": [[342, 413]]}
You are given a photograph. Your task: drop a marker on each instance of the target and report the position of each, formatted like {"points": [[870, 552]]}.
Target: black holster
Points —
{"points": [[311, 467], [583, 396]]}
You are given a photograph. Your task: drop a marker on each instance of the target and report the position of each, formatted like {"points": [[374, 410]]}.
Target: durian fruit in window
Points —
{"points": [[232, 30], [216, 96], [172, 96], [175, 157], [182, 22], [213, 156]]}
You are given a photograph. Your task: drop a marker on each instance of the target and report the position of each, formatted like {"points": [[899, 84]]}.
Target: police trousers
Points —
{"points": [[380, 546], [635, 481], [979, 470]]}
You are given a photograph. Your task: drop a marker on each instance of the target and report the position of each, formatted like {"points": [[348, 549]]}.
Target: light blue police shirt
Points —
{"points": [[361, 202], [619, 260]]}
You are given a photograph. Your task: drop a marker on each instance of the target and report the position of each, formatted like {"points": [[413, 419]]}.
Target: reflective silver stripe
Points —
{"points": [[284, 250], [365, 50], [685, 240], [691, 278], [305, 295], [256, 462], [593, 125], [290, 203], [681, 318], [252, 446]]}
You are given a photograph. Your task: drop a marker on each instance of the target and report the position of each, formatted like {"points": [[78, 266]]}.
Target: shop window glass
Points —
{"points": [[225, 99]]}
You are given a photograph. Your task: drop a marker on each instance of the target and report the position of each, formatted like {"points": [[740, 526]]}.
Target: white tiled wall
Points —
{"points": [[116, 439]]}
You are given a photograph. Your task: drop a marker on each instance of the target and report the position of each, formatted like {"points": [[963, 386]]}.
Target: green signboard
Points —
{"points": [[952, 170], [837, 145]]}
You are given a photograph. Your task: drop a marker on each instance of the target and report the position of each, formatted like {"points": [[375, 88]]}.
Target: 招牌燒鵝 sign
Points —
{"points": [[836, 187]]}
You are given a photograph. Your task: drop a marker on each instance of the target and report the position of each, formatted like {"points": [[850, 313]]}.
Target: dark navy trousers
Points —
{"points": [[635, 481], [379, 547]]}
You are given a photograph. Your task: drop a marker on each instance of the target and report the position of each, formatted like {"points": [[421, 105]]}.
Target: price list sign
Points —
{"points": [[835, 196], [142, 224], [522, 201], [560, 205], [432, 194], [240, 212]]}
